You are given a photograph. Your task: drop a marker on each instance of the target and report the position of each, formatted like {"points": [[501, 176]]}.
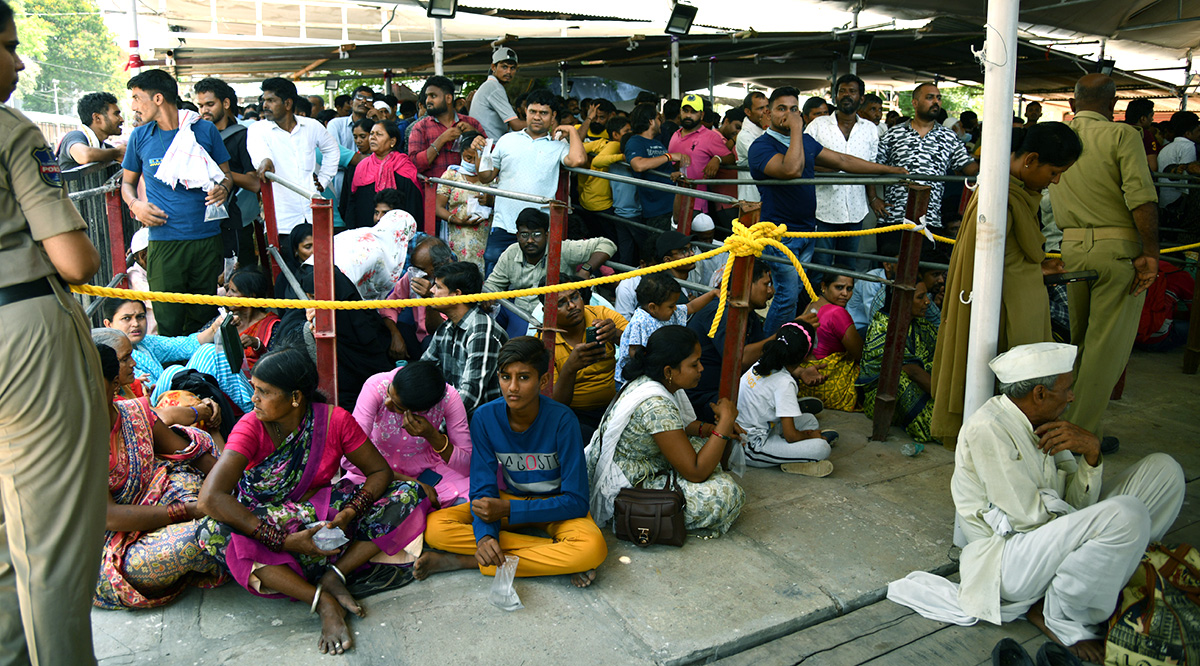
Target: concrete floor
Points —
{"points": [[799, 578]]}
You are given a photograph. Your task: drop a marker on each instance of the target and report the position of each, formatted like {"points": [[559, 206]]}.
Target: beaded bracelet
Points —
{"points": [[360, 501]]}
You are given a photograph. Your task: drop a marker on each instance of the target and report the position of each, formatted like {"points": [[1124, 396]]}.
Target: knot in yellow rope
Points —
{"points": [[751, 242]]}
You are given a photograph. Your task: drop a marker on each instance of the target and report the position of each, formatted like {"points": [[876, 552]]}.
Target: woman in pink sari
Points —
{"points": [[273, 490], [419, 424], [151, 549], [386, 168]]}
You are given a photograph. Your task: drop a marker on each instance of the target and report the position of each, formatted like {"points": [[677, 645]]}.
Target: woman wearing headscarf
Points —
{"points": [[387, 167]]}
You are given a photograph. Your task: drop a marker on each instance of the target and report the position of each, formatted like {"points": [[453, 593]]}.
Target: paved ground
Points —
{"points": [[798, 579]]}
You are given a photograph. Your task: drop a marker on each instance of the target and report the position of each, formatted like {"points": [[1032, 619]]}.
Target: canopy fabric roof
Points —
{"points": [[1172, 24], [943, 49]]}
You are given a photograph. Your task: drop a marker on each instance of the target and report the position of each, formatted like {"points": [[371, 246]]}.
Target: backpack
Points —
{"points": [[1157, 621]]}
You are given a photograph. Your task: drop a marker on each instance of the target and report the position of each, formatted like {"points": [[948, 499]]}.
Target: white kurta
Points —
{"points": [[1039, 527], [998, 464]]}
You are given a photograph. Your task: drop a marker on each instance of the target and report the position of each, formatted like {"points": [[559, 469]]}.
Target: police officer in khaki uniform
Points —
{"points": [[1107, 209], [53, 413]]}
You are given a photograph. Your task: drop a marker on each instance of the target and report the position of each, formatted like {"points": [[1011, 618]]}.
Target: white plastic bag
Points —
{"points": [[328, 538], [485, 156], [503, 596]]}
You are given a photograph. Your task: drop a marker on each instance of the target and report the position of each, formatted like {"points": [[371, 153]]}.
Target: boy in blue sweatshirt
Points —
{"points": [[533, 445]]}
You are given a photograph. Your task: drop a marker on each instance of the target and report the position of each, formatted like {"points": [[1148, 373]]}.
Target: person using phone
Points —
{"points": [[585, 357], [1040, 155]]}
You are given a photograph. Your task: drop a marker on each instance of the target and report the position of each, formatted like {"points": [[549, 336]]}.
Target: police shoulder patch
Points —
{"points": [[48, 166]]}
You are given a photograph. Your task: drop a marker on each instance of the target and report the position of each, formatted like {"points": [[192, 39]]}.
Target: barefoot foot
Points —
{"points": [[335, 635], [1090, 650], [333, 585], [584, 579], [435, 561]]}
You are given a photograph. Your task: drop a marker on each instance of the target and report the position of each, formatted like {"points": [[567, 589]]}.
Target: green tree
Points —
{"points": [[34, 33], [85, 56]]}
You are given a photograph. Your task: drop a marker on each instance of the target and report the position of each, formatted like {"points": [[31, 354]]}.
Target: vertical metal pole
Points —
{"points": [[1191, 353], [833, 79], [712, 80], [135, 57], [900, 315], [116, 231], [430, 202], [387, 82], [674, 68], [558, 227], [439, 51], [325, 331], [737, 313], [562, 79], [683, 222], [267, 193], [999, 77]]}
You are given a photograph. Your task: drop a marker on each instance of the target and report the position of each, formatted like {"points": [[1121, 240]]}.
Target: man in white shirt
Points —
{"points": [[755, 106], [490, 105], [844, 207], [527, 161], [342, 127], [1046, 535], [1179, 156], [287, 145]]}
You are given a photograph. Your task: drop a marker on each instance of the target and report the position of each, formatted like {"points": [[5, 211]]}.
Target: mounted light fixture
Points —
{"points": [[860, 45], [441, 9], [1105, 67], [681, 19], [331, 84]]}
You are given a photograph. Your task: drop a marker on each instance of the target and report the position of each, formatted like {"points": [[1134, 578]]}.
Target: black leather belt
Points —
{"points": [[25, 291]]}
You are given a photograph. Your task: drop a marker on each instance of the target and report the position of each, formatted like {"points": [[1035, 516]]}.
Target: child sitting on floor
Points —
{"points": [[778, 432], [536, 444], [657, 296]]}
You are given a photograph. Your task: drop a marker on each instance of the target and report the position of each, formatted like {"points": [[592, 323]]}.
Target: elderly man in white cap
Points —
{"points": [[704, 231], [490, 105], [1044, 539]]}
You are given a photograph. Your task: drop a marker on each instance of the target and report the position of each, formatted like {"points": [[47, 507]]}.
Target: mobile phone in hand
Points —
{"points": [[589, 334]]}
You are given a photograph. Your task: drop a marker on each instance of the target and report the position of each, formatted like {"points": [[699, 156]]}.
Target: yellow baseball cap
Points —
{"points": [[694, 101]]}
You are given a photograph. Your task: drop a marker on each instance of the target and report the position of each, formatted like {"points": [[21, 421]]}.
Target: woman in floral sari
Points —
{"points": [[151, 552], [272, 490], [914, 408]]}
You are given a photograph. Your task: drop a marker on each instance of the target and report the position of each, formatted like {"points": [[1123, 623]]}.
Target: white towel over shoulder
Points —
{"points": [[186, 162]]}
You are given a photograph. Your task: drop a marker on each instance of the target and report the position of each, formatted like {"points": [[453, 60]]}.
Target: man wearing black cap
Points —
{"points": [[490, 106]]}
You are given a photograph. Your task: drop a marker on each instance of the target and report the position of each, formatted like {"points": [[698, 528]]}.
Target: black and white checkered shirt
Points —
{"points": [[938, 152], [467, 351]]}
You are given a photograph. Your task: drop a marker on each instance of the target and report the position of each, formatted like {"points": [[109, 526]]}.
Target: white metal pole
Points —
{"points": [[438, 49], [675, 68], [999, 79], [135, 57]]}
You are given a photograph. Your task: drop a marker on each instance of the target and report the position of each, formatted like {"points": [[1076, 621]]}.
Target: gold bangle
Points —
{"points": [[444, 446]]}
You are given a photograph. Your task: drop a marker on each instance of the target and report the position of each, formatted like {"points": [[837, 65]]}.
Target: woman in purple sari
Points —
{"points": [[272, 490]]}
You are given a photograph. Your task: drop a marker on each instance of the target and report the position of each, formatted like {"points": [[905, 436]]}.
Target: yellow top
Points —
{"points": [[1110, 179], [595, 193], [595, 385], [33, 205]]}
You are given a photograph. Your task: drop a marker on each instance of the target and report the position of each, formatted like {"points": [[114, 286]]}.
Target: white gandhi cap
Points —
{"points": [[1041, 359], [702, 223]]}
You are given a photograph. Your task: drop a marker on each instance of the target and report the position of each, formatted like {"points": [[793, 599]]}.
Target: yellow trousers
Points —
{"points": [[574, 545]]}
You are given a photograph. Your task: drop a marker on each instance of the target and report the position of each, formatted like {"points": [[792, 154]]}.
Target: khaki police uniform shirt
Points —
{"points": [[1109, 180], [33, 205]]}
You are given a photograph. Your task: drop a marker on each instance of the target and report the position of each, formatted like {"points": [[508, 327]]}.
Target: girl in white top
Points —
{"points": [[777, 431]]}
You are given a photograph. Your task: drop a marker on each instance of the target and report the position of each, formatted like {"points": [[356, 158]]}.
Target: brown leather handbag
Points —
{"points": [[645, 516]]}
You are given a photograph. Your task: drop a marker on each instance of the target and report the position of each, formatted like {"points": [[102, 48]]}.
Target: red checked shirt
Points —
{"points": [[425, 132]]}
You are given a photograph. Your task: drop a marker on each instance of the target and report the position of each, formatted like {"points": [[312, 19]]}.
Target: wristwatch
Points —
{"points": [[588, 267]]}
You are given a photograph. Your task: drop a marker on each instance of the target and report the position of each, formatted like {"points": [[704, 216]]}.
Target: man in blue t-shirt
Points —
{"points": [[785, 152], [650, 161], [185, 253], [534, 443]]}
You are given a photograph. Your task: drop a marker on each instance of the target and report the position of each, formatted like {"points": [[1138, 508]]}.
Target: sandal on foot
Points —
{"points": [[1010, 653], [379, 578], [816, 468], [830, 436]]}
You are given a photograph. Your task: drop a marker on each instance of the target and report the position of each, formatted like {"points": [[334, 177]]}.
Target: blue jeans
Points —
{"points": [[498, 242], [841, 243], [787, 282]]}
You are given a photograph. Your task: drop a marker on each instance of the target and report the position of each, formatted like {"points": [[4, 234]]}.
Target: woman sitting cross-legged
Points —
{"points": [[777, 431], [914, 408], [839, 346], [151, 553], [273, 489], [419, 424], [650, 432]]}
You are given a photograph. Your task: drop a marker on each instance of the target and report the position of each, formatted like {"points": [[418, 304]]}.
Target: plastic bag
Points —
{"points": [[737, 459], [215, 212], [485, 156], [503, 596], [328, 538]]}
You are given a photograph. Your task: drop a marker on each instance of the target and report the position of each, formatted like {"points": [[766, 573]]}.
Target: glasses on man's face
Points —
{"points": [[531, 235], [364, 98]]}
